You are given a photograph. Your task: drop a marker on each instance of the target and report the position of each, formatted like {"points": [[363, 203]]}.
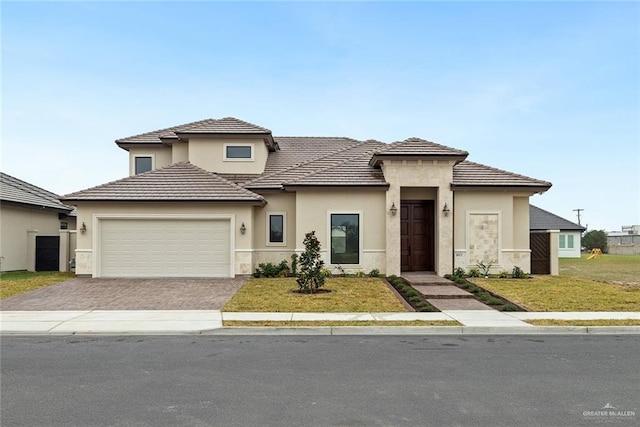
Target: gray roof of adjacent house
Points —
{"points": [[177, 182], [16, 191], [539, 219]]}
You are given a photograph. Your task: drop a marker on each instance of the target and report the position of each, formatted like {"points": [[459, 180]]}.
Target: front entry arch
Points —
{"points": [[417, 233]]}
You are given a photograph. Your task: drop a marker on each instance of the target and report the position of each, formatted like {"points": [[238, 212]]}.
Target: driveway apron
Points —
{"points": [[128, 294]]}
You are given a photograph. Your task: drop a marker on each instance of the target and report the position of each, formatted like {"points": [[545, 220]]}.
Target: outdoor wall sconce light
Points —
{"points": [[243, 229], [446, 210], [83, 228], [393, 209]]}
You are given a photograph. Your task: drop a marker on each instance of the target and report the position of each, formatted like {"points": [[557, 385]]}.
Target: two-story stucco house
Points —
{"points": [[215, 198]]}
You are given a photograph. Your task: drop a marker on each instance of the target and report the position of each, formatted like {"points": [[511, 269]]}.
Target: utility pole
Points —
{"points": [[578, 210]]}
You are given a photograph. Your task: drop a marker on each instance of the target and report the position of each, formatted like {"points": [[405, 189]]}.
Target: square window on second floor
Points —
{"points": [[143, 164]]}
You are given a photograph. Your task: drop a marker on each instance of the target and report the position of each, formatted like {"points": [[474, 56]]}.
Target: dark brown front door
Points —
{"points": [[416, 235], [540, 253]]}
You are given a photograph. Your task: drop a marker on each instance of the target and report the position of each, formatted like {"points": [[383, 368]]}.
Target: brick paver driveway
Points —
{"points": [[128, 294]]}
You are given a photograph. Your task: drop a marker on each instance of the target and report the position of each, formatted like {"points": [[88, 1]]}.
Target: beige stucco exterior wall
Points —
{"points": [[280, 203], [313, 209], [512, 213], [161, 157], [179, 152], [436, 176], [209, 153], [89, 213], [15, 222]]}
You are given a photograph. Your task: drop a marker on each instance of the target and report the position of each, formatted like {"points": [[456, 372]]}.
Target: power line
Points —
{"points": [[578, 210]]}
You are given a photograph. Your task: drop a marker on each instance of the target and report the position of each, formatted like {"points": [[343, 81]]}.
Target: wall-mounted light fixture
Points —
{"points": [[393, 209], [446, 210], [243, 229], [83, 228]]}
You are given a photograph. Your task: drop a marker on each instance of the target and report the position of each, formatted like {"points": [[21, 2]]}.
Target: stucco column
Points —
{"points": [[444, 224], [393, 231], [31, 249], [64, 251], [553, 252]]}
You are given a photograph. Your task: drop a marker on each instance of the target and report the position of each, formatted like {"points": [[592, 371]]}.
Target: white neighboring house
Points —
{"points": [[570, 236]]}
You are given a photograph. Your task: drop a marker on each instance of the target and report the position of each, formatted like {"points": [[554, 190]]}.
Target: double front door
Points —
{"points": [[417, 235]]}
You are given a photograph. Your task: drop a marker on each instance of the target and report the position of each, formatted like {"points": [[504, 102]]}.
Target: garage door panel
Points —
{"points": [[164, 248]]}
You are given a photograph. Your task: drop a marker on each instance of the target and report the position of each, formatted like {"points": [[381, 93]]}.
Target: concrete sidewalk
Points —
{"points": [[171, 322]]}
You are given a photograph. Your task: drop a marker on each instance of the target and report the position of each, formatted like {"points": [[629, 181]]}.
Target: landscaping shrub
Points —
{"points": [[503, 274], [294, 264], [374, 273], [517, 273], [458, 272], [311, 277], [272, 270], [413, 297], [474, 272]]}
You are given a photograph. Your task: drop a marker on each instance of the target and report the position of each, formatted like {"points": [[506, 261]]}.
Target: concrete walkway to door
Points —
{"points": [[128, 294]]}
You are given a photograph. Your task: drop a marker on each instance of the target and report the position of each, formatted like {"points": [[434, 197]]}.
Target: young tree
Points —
{"points": [[595, 239], [310, 276]]}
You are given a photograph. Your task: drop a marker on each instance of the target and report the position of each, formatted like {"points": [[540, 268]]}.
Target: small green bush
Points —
{"points": [[294, 265], [270, 269], [459, 272], [503, 274], [360, 273], [374, 273], [517, 273], [474, 272]]}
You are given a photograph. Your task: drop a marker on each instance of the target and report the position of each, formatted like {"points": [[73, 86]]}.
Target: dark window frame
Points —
{"points": [[349, 251], [138, 170]]}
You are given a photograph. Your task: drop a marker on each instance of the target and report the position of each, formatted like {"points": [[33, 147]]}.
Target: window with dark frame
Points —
{"points": [[276, 228], [345, 239], [143, 164], [238, 152]]}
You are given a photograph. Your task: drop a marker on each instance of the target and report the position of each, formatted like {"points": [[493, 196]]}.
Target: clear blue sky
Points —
{"points": [[550, 90]]}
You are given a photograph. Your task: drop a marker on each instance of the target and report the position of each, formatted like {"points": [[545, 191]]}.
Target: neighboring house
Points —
{"points": [[215, 198], [31, 220], [624, 242], [569, 236]]}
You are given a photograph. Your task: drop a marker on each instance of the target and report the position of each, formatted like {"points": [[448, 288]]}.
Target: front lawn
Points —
{"points": [[349, 295], [561, 293], [18, 282], [619, 269]]}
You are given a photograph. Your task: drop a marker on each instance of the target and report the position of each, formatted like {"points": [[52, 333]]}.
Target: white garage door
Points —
{"points": [[164, 248]]}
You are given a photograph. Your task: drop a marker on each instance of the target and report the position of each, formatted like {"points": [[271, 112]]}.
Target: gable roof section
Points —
{"points": [[539, 219], [227, 125], [416, 147], [469, 174], [295, 175], [16, 191], [177, 182]]}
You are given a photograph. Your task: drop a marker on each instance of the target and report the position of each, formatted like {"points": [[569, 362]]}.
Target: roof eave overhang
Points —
{"points": [[260, 202], [266, 137], [60, 209], [128, 145], [533, 189], [377, 159], [381, 186]]}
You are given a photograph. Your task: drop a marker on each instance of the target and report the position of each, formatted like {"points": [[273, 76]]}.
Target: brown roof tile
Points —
{"points": [[15, 190], [177, 182], [225, 125], [420, 147], [470, 174]]}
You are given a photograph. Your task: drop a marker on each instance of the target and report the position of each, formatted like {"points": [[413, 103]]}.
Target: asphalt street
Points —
{"points": [[320, 380]]}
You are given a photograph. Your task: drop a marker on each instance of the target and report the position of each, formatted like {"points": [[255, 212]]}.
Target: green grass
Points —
{"points": [[617, 269], [594, 322], [562, 293], [297, 323], [349, 295], [18, 282]]}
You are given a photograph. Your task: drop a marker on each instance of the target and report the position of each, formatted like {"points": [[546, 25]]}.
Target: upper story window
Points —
{"points": [[143, 164], [239, 152]]}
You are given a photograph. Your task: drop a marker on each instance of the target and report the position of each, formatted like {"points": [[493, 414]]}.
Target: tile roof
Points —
{"points": [[539, 219], [177, 182], [225, 125], [295, 174], [419, 147], [17, 191], [470, 174]]}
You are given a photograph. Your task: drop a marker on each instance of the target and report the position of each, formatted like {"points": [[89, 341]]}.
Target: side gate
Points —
{"points": [[47, 253]]}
